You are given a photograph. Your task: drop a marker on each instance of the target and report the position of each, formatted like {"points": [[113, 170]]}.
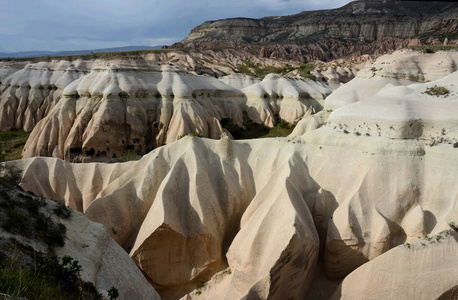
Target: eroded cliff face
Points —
{"points": [[367, 179], [100, 110], [29, 92], [365, 26]]}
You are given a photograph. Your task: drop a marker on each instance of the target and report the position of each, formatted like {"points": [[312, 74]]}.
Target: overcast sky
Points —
{"points": [[91, 24]]}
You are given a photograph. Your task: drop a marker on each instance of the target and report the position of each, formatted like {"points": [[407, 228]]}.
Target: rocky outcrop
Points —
{"points": [[360, 27], [105, 109], [102, 261], [265, 218], [115, 109]]}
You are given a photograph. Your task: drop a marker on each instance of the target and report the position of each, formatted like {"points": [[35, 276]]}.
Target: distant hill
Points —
{"points": [[360, 27], [77, 52]]}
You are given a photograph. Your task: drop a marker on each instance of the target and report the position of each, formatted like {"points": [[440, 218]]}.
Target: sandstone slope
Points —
{"points": [[405, 271]]}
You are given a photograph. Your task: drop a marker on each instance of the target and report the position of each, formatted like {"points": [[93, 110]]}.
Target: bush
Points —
{"points": [[192, 133], [113, 293], [254, 130], [10, 174], [437, 91], [62, 211]]}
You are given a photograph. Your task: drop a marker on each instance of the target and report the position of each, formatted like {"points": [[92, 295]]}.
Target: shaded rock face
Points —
{"points": [[263, 218], [357, 28]]}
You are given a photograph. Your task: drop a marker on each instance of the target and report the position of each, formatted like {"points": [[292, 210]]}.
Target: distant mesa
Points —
{"points": [[360, 27]]}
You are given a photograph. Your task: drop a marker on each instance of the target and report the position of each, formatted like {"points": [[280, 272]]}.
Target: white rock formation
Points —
{"points": [[425, 269], [252, 216], [115, 108], [99, 110], [239, 81], [103, 262], [287, 98], [27, 95], [400, 68]]}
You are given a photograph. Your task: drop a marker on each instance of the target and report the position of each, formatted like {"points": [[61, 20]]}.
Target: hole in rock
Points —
{"points": [[91, 152], [76, 150]]}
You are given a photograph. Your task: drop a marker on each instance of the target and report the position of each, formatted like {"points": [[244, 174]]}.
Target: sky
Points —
{"points": [[61, 25]]}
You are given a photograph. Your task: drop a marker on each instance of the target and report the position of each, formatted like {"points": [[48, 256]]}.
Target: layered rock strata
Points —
{"points": [[360, 27]]}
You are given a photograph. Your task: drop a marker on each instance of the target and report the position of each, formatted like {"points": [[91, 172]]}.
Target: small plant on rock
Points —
{"points": [[437, 91]]}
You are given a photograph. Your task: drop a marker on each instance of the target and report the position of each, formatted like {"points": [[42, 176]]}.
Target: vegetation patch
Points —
{"points": [[50, 278], [29, 267], [11, 144], [437, 91], [253, 130], [250, 68], [200, 60], [192, 133]]}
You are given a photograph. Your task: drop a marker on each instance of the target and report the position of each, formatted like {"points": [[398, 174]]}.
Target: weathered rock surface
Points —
{"points": [[101, 110], [286, 98], [405, 271], [360, 27], [28, 94], [104, 263], [258, 219]]}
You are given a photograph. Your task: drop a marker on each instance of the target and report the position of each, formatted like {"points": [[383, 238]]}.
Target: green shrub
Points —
{"points": [[16, 221], [62, 211], [254, 130], [438, 91], [12, 143], [113, 293], [192, 133]]}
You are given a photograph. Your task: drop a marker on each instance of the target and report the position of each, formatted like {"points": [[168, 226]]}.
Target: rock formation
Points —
{"points": [[363, 187], [29, 93], [268, 218], [103, 262], [101, 110], [405, 271], [360, 27]]}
